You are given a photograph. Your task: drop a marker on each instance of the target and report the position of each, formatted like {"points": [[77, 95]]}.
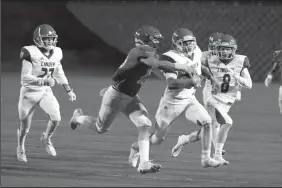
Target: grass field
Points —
{"points": [[254, 145]]}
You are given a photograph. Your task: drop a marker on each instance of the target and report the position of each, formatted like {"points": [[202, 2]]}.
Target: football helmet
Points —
{"points": [[227, 47], [213, 41], [184, 41], [45, 37], [148, 35]]}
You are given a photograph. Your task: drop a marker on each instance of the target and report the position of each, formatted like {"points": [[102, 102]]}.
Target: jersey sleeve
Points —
{"points": [[59, 75], [25, 54], [59, 53], [246, 63], [277, 56], [147, 51], [168, 74]]}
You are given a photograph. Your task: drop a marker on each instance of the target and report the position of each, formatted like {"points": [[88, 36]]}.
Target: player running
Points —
{"points": [[277, 63], [122, 95], [41, 66], [232, 71], [179, 97]]}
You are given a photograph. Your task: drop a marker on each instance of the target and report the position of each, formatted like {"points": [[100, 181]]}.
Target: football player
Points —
{"points": [[41, 66], [232, 71], [277, 64], [180, 97], [122, 95]]}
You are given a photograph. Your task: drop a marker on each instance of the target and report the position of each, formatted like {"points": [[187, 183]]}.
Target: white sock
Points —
{"points": [[218, 149], [21, 138], [206, 153], [144, 147]]}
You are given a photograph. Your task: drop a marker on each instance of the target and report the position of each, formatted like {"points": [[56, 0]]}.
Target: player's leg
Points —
{"points": [[280, 99], [50, 105], [112, 104], [26, 107], [215, 125], [169, 109], [196, 113], [222, 117], [138, 114]]}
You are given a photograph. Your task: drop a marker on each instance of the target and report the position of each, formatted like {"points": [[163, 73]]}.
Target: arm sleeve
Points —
{"points": [[25, 55], [26, 73], [168, 74], [59, 75], [244, 79]]}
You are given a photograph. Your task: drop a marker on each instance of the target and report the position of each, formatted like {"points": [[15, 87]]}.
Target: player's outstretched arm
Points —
{"points": [[61, 78], [167, 66], [159, 74]]}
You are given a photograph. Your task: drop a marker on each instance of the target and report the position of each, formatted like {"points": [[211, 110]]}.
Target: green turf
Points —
{"points": [[254, 145]]}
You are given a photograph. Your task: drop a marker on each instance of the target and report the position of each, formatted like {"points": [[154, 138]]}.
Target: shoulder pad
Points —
{"points": [[246, 62], [25, 53], [146, 50], [166, 57], [58, 53], [198, 49]]}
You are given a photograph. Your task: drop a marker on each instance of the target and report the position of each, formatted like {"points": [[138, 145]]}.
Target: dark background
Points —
{"points": [[96, 35], [95, 38]]}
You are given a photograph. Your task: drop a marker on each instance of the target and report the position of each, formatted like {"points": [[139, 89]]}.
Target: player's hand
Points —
{"points": [[197, 80], [49, 81], [268, 80], [189, 70], [72, 96], [215, 85]]}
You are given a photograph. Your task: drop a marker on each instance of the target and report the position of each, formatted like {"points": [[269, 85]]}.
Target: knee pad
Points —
{"points": [[55, 117], [205, 121], [206, 125], [55, 122], [143, 121]]}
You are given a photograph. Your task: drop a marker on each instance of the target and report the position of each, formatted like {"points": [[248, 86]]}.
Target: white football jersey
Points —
{"points": [[42, 66], [194, 62], [229, 86]]}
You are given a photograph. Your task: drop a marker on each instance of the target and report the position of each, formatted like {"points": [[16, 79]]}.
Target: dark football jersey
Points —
{"points": [[129, 77]]}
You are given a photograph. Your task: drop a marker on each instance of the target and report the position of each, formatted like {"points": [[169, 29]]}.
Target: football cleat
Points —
{"points": [[48, 145], [77, 112], [178, 147], [220, 159], [21, 156], [209, 162], [148, 167]]}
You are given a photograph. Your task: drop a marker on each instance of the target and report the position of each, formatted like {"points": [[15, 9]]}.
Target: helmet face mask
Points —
{"points": [[185, 46], [226, 52], [227, 48], [148, 35], [45, 37], [184, 41]]}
